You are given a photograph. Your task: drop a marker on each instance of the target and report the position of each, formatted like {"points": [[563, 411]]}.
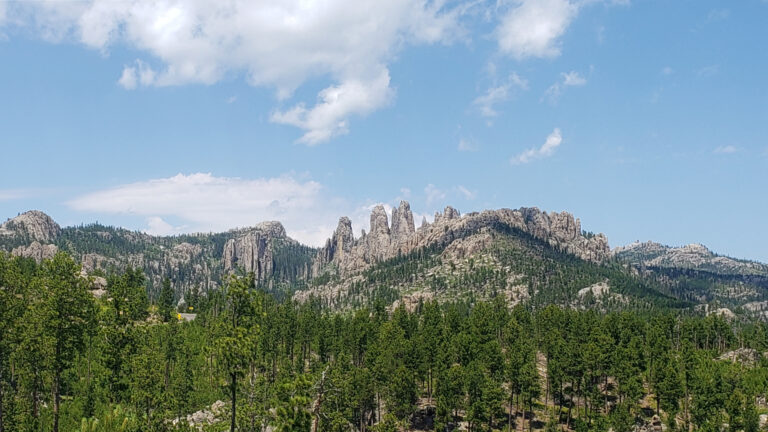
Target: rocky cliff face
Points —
{"points": [[337, 247], [560, 230], [252, 249], [34, 225]]}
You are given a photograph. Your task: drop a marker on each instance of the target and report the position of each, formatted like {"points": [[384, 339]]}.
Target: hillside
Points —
{"points": [[696, 274], [524, 256]]}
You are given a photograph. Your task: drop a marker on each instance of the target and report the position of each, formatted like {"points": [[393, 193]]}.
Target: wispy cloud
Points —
{"points": [[12, 194], [551, 144], [715, 15], [573, 78], [433, 194], [486, 103], [666, 70], [468, 145], [708, 71], [466, 193], [728, 149], [569, 79]]}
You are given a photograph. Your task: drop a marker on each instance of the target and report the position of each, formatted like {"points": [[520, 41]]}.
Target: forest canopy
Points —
{"points": [[241, 359]]}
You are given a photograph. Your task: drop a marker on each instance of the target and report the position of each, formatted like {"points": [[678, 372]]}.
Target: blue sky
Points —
{"points": [[646, 119]]}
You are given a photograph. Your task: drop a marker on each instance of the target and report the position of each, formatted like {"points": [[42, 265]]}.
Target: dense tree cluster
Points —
{"points": [[70, 361]]}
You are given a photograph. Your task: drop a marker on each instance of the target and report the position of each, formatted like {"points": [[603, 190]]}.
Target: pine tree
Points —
{"points": [[237, 338], [67, 312], [165, 303]]}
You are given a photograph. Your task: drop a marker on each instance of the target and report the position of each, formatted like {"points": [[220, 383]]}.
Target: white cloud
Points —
{"points": [[729, 149], [139, 74], [667, 70], [573, 78], [277, 44], [532, 28], [405, 192], [231, 99], [328, 118], [468, 145], [495, 95], [158, 226], [128, 79], [466, 193], [551, 144], [205, 203], [569, 79], [433, 194]]}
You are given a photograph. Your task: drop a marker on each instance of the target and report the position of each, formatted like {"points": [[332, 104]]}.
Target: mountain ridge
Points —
{"points": [[524, 255]]}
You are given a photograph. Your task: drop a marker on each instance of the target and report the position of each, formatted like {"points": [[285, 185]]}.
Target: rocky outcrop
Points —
{"points": [[747, 356], [378, 239], [199, 420], [424, 223], [252, 250], [402, 223], [448, 214], [184, 252], [560, 230], [337, 247], [35, 225], [98, 284], [36, 251]]}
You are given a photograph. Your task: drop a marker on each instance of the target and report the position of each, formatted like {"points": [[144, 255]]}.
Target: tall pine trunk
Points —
{"points": [[233, 388], [35, 408], [546, 381], [530, 420], [2, 427], [56, 401], [429, 384]]}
